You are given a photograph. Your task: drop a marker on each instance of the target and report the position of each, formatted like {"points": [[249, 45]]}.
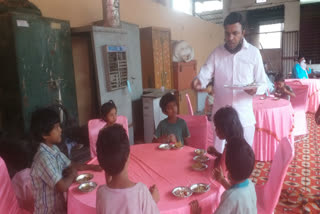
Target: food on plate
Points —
{"points": [[199, 166], [200, 151], [87, 186], [177, 145], [201, 158], [182, 193], [164, 146], [200, 188], [84, 178]]}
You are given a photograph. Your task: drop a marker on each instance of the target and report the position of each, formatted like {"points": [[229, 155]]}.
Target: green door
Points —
{"points": [[43, 64]]}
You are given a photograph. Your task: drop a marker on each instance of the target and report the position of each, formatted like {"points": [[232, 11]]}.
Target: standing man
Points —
{"points": [[234, 63]]}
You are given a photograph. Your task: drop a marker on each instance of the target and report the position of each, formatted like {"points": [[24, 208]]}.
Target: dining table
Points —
{"points": [[313, 93], [274, 121], [167, 169]]}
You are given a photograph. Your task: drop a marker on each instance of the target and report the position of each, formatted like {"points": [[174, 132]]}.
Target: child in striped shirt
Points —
{"points": [[52, 172]]}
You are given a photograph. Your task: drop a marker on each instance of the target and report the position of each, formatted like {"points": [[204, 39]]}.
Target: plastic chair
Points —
{"points": [[189, 104], [8, 202], [95, 125], [198, 128], [268, 194], [300, 106], [22, 186]]}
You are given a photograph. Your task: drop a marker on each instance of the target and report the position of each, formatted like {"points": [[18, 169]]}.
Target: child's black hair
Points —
{"points": [[42, 122], [113, 149], [240, 159], [106, 108], [165, 99], [226, 119], [279, 78]]}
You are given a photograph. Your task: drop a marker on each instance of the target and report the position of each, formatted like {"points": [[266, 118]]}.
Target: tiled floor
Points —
{"points": [[303, 175]]}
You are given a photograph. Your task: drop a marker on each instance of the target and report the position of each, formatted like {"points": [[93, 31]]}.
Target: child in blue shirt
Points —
{"points": [[240, 195], [172, 129]]}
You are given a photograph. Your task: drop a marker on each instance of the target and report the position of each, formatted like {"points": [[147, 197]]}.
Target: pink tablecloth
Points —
{"points": [[166, 169], [274, 120], [313, 93]]}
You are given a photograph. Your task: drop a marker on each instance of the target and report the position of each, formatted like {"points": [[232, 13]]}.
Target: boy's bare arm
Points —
{"points": [[186, 140], [194, 207], [65, 182], [162, 139], [155, 193], [292, 94], [218, 175], [82, 167]]}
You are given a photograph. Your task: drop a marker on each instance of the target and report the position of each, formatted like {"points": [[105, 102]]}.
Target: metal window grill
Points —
{"points": [[116, 67]]}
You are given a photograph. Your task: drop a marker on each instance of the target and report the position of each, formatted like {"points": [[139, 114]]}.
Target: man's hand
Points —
{"points": [[251, 91], [196, 84], [155, 193]]}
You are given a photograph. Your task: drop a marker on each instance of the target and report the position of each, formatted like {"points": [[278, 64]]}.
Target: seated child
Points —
{"points": [[52, 172], [172, 129], [209, 101], [109, 113], [120, 194], [227, 125], [281, 89], [240, 195]]}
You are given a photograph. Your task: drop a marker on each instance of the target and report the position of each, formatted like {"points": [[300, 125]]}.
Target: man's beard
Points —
{"points": [[236, 49]]}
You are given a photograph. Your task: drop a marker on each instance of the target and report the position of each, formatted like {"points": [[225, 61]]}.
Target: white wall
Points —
{"points": [[292, 10], [237, 5], [292, 16]]}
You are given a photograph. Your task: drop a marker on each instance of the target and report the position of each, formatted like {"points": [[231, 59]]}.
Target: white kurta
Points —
{"points": [[243, 67]]}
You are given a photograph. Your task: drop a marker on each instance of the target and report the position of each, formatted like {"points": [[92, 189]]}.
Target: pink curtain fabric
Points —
{"points": [[8, 200], [22, 186], [94, 127], [268, 194], [198, 128], [313, 93], [274, 120], [165, 168]]}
